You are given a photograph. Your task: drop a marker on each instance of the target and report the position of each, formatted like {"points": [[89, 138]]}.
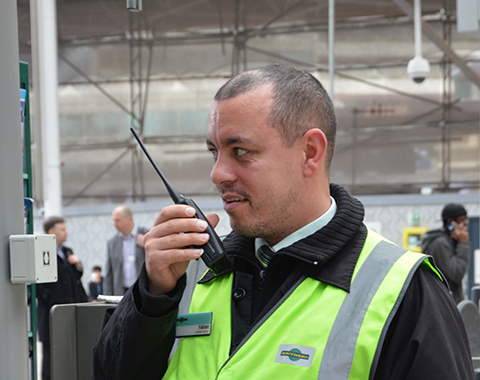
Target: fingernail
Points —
{"points": [[201, 224], [190, 211], [204, 236], [198, 252]]}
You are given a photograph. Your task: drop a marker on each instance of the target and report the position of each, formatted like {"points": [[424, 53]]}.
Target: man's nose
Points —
{"points": [[222, 172]]}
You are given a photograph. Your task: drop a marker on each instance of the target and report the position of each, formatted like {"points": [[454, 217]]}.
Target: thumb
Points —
{"points": [[213, 219]]}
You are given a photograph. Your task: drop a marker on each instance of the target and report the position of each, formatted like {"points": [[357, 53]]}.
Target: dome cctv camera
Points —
{"points": [[134, 5], [418, 68]]}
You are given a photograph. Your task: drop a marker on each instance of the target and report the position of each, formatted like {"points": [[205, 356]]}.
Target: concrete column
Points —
{"points": [[13, 305], [45, 79], [331, 47]]}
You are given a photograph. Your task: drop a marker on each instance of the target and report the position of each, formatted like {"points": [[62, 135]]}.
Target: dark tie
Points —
{"points": [[264, 254]]}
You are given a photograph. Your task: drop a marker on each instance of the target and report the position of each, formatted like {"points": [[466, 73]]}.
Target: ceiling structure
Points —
{"points": [[394, 136], [107, 21]]}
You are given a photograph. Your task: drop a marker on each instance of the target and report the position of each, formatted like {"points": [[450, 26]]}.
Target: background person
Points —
{"points": [[125, 253], [95, 286], [306, 273], [67, 289], [450, 247]]}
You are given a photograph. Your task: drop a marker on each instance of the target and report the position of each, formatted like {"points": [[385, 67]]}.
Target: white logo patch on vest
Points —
{"points": [[296, 355]]}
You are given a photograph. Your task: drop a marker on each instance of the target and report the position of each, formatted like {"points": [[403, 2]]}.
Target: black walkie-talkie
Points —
{"points": [[214, 253]]}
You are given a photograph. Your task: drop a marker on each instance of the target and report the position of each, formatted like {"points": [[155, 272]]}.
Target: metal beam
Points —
{"points": [[97, 177], [239, 58], [140, 36], [340, 74], [331, 47], [100, 88], [281, 14], [430, 32], [210, 36]]}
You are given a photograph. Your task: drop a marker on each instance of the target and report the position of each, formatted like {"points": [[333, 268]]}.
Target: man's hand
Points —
{"points": [[460, 232], [139, 241], [73, 260], [168, 246]]}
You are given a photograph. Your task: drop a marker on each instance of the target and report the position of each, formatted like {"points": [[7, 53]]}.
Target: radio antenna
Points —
{"points": [[174, 194]]}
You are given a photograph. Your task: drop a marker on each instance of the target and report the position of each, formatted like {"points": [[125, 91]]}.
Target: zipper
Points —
{"points": [[262, 275], [262, 278]]}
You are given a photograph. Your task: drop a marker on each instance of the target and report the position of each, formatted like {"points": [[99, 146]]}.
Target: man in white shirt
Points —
{"points": [[125, 253]]}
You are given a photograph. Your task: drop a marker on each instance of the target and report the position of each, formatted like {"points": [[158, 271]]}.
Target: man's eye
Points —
{"points": [[214, 154], [240, 151]]}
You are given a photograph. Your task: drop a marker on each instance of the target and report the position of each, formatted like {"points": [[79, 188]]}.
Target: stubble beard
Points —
{"points": [[272, 229]]}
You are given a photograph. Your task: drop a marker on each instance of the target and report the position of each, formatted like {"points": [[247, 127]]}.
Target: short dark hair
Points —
{"points": [[50, 222], [96, 268], [300, 102]]}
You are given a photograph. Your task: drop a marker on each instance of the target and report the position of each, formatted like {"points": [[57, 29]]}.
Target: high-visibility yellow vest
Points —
{"points": [[316, 331]]}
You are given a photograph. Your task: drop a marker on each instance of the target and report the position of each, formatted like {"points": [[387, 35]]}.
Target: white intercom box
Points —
{"points": [[33, 259]]}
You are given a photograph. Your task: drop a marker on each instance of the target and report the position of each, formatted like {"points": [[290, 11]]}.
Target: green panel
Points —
{"points": [[28, 192]]}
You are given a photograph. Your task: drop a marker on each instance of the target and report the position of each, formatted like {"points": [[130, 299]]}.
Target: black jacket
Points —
{"points": [[67, 289], [426, 339], [95, 289]]}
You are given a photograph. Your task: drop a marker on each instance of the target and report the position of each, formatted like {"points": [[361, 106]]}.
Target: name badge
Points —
{"points": [[193, 324]]}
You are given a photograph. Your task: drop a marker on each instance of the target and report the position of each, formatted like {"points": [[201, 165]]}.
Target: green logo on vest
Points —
{"points": [[295, 355]]}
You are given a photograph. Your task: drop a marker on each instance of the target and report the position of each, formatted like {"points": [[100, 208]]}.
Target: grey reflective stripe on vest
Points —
{"points": [[340, 348]]}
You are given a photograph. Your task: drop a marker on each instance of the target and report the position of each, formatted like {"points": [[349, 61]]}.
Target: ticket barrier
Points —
{"points": [[74, 330]]}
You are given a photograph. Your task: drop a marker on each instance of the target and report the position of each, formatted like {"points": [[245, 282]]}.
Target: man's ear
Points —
{"points": [[315, 147]]}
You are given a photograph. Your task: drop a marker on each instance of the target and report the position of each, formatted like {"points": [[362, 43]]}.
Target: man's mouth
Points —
{"points": [[231, 200]]}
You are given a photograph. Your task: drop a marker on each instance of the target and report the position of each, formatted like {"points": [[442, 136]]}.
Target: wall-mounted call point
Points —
{"points": [[33, 259]]}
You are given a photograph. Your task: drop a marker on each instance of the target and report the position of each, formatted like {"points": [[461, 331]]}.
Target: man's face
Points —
{"points": [[258, 178], [60, 232], [122, 223], [462, 221]]}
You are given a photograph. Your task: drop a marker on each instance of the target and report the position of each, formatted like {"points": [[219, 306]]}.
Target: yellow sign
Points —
{"points": [[412, 237]]}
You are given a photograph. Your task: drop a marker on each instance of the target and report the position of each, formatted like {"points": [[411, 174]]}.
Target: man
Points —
{"points": [[67, 289], [125, 253], [311, 293], [450, 247]]}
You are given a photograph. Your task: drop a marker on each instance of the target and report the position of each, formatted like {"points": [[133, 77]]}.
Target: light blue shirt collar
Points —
{"points": [[60, 252], [303, 232], [132, 234]]}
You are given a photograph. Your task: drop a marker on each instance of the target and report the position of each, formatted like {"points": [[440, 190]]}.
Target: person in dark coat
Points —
{"points": [[450, 247], [95, 286], [67, 289]]}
